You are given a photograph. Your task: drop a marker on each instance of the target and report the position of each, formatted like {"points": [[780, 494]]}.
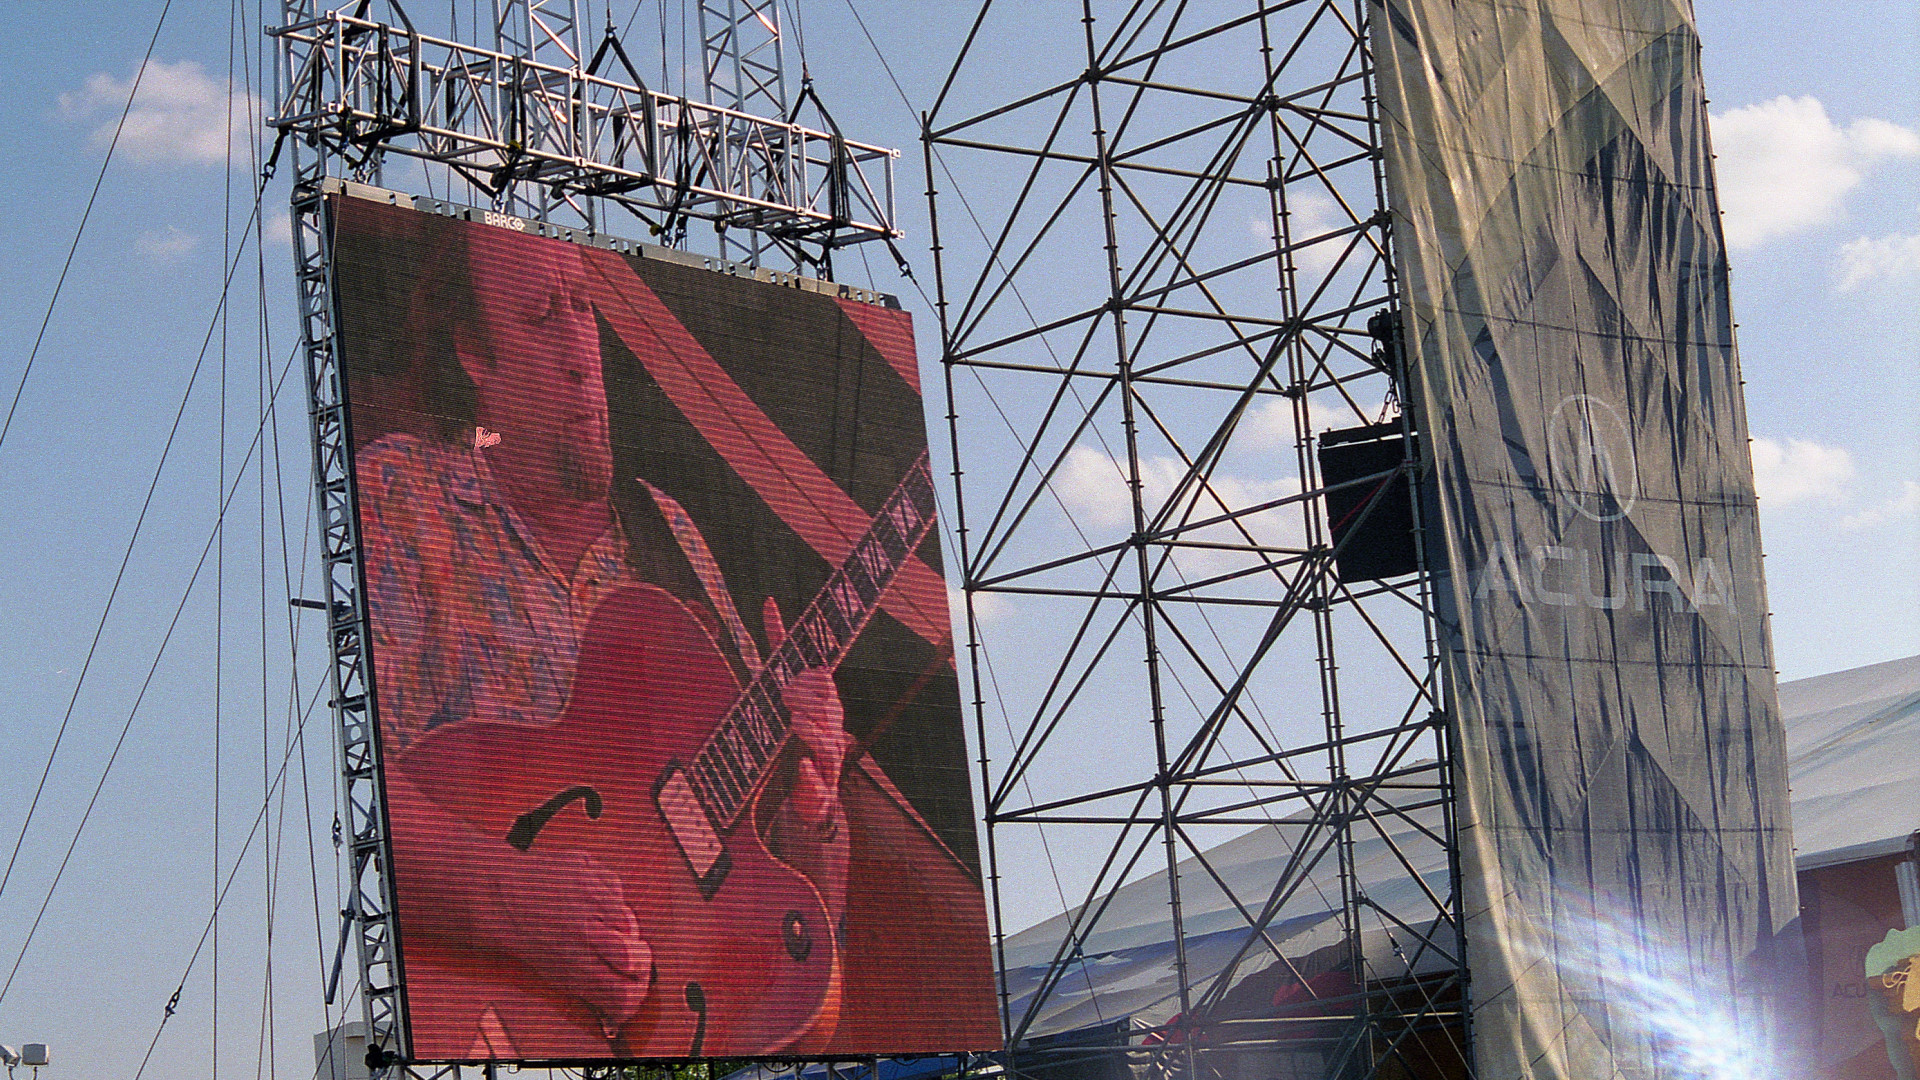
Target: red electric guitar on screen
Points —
{"points": [[659, 761]]}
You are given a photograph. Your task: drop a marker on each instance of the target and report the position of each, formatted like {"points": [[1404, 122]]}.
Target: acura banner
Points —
{"points": [[1627, 864]]}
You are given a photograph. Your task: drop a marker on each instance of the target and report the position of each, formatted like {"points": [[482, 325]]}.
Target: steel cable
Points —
{"points": [[80, 230]]}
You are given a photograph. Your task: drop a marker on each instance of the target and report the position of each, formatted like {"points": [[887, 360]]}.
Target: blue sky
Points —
{"points": [[1817, 128]]}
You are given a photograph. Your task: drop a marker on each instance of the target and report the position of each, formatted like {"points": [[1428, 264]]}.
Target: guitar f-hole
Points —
{"points": [[697, 1001], [528, 825]]}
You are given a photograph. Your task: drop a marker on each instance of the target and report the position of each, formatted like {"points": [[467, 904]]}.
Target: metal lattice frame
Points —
{"points": [[1125, 426], [548, 133], [743, 64], [544, 31], [369, 924], [547, 33], [743, 56]]}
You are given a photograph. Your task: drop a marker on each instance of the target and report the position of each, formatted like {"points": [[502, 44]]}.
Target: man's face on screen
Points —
{"points": [[536, 362]]}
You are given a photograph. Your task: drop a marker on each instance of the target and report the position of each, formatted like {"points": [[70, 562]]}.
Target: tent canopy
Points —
{"points": [[1851, 739], [1853, 751], [1125, 966]]}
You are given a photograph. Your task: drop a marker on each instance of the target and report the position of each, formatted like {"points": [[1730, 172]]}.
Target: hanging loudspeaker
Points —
{"points": [[1369, 502]]}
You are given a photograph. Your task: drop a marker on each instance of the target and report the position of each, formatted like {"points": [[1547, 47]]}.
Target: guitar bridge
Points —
{"points": [[692, 831]]}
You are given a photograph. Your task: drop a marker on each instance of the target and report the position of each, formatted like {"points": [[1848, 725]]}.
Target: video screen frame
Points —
{"points": [[784, 571]]}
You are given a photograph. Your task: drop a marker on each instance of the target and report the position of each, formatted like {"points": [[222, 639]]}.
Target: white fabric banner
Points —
{"points": [[1627, 865]]}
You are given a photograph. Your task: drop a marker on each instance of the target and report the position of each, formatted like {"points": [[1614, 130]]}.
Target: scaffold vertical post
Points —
{"points": [[370, 902], [743, 61]]}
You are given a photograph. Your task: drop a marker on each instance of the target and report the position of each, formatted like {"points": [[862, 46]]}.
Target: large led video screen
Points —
{"points": [[663, 678]]}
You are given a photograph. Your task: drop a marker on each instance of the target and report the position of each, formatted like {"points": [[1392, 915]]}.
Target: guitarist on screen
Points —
{"points": [[490, 543]]}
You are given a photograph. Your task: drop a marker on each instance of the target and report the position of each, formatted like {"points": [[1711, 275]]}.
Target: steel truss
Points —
{"points": [[743, 65], [367, 919], [544, 128], [1135, 461]]}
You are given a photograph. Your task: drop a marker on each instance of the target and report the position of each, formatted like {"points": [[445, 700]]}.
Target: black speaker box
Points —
{"points": [[1371, 522]]}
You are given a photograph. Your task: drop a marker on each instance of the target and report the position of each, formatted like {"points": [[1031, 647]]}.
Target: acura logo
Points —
{"points": [[1590, 452]]}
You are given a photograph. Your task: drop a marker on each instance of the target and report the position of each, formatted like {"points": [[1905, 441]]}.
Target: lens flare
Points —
{"points": [[1700, 1020]]}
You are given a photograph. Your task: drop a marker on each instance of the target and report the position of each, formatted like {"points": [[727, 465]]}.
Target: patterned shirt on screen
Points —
{"points": [[472, 620]]}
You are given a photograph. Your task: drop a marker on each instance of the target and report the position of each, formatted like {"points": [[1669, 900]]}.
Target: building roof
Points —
{"points": [[1853, 752]]}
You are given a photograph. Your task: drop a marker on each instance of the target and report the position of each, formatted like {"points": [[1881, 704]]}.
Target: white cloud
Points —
{"points": [[1314, 214], [1269, 423], [1899, 508], [1311, 214], [988, 607], [1785, 166], [1889, 258], [182, 115], [276, 229], [1797, 470], [1800, 470], [165, 245], [1094, 489]]}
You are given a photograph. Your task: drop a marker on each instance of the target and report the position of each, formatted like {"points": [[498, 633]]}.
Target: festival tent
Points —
{"points": [[1853, 751], [1853, 747], [1124, 968], [1853, 743]]}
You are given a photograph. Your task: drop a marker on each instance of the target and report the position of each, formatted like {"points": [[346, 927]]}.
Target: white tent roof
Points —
{"points": [[1853, 747], [1853, 752], [1127, 963]]}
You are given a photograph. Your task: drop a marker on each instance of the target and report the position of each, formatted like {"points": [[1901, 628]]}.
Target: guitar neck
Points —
{"points": [[728, 768]]}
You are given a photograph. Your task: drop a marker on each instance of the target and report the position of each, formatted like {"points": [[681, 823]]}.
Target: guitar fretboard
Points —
{"points": [[727, 769]]}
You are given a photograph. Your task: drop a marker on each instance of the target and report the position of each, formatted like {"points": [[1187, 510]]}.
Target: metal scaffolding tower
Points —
{"points": [[1184, 279], [545, 34]]}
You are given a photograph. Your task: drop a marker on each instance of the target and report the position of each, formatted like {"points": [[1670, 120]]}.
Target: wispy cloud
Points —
{"points": [[181, 116], [1902, 507], [1311, 214], [1269, 423], [1785, 166], [988, 607], [1893, 257], [1798, 470], [1094, 488], [165, 245], [276, 229]]}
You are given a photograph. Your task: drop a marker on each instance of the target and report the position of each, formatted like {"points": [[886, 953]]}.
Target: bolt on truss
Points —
{"points": [[542, 127], [1144, 333]]}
